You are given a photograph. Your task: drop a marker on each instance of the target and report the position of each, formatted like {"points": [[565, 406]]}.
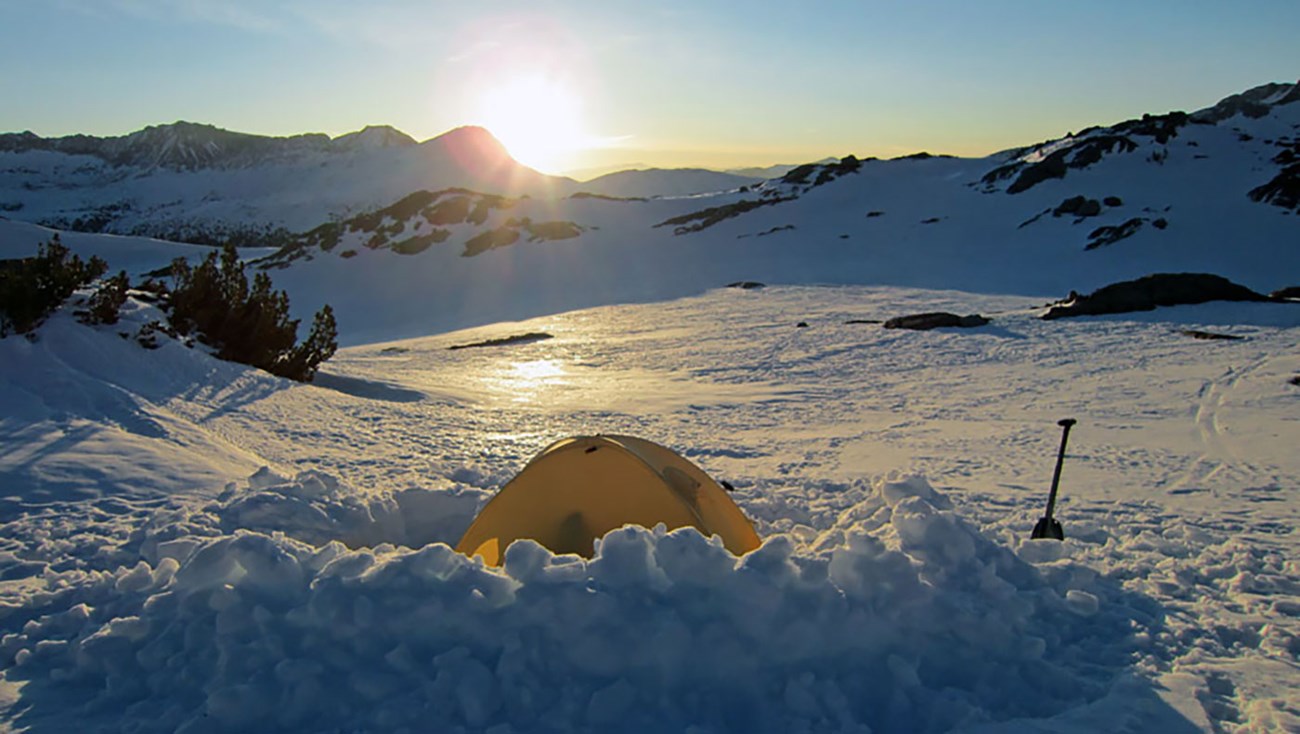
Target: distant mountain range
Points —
{"points": [[199, 183], [451, 232]]}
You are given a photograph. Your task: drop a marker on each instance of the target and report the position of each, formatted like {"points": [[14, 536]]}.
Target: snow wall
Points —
{"points": [[293, 605]]}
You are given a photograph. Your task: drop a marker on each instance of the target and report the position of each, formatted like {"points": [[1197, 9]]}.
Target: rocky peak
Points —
{"points": [[1253, 103]]}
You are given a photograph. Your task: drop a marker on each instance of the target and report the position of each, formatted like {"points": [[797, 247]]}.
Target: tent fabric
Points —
{"points": [[577, 489]]}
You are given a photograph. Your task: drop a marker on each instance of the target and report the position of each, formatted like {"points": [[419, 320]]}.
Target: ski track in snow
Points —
{"points": [[1178, 494]]}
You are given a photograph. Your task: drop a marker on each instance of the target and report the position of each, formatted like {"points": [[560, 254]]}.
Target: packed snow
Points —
{"points": [[189, 545]]}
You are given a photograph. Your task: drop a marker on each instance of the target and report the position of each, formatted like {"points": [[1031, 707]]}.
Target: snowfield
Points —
{"points": [[189, 545]]}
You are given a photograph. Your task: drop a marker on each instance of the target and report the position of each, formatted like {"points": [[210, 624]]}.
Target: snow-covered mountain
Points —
{"points": [[1212, 191], [189, 146], [199, 183], [644, 183], [1206, 192]]}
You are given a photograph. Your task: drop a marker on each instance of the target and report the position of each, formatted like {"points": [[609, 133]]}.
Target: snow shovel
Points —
{"points": [[1048, 526]]}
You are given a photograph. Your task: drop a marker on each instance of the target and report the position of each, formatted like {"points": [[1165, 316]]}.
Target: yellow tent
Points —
{"points": [[580, 488]]}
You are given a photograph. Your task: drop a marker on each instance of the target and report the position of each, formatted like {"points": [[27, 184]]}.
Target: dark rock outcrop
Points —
{"points": [[1079, 206], [1291, 291], [1209, 335], [1252, 103], [1284, 188], [747, 285], [535, 336], [1148, 292], [935, 320], [1110, 234]]}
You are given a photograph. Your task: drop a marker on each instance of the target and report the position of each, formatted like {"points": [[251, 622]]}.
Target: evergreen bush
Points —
{"points": [[31, 288], [249, 325], [106, 302]]}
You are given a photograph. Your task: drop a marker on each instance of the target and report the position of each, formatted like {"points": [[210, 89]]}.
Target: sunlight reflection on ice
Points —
{"points": [[525, 380]]}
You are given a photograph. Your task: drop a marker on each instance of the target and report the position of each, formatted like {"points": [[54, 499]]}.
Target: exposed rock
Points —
{"points": [[1081, 154], [1291, 291], [747, 285], [935, 320], [931, 220], [1113, 201], [1079, 206], [873, 214], [1284, 189], [801, 325], [1210, 335], [1160, 127], [705, 218], [826, 172], [420, 243], [534, 336], [1109, 235], [1148, 292], [1252, 103], [551, 231], [774, 230], [490, 240]]}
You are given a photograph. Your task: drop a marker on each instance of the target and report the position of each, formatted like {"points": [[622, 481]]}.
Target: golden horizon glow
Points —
{"points": [[537, 119]]}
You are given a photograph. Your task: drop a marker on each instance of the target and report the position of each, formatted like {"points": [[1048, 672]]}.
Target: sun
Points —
{"points": [[538, 119]]}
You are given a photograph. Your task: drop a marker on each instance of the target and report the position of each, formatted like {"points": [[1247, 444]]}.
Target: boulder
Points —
{"points": [[934, 320], [1148, 292], [1079, 206], [1292, 291]]}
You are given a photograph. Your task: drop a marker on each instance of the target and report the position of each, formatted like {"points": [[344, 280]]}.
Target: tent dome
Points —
{"points": [[577, 489]]}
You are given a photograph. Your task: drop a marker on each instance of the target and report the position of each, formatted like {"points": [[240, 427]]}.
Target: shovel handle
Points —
{"points": [[1066, 424]]}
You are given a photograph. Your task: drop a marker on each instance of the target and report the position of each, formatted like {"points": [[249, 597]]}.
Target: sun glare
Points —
{"points": [[539, 120]]}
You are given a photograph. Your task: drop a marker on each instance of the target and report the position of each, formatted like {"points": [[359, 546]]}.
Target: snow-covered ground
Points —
{"points": [[192, 546], [135, 255]]}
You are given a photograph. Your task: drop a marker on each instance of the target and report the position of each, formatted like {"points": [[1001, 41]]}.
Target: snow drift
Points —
{"points": [[901, 617]]}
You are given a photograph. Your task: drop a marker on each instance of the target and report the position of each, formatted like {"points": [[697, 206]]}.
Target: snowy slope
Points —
{"points": [[136, 255], [201, 183], [894, 475], [665, 182], [925, 221], [252, 187]]}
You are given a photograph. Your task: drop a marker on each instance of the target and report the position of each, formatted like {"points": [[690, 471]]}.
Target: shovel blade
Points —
{"points": [[1048, 527]]}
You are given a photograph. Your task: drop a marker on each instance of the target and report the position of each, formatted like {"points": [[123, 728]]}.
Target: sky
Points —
{"points": [[572, 87]]}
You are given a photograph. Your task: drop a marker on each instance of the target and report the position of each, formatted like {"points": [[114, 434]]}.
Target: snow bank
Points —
{"points": [[294, 605]]}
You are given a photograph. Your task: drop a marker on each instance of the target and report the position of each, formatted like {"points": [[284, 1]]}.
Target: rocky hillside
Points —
{"points": [[188, 146], [477, 222], [201, 184], [197, 183]]}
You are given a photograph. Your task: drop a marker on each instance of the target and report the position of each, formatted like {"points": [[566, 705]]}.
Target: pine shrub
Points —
{"points": [[249, 325], [106, 302], [32, 288]]}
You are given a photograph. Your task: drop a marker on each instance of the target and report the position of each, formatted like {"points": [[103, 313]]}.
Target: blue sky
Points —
{"points": [[669, 83]]}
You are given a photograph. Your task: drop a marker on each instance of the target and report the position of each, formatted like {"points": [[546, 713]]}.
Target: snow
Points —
{"points": [[189, 545], [136, 255]]}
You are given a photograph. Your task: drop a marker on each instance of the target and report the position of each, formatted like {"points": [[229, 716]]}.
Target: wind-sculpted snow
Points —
{"points": [[901, 616]]}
